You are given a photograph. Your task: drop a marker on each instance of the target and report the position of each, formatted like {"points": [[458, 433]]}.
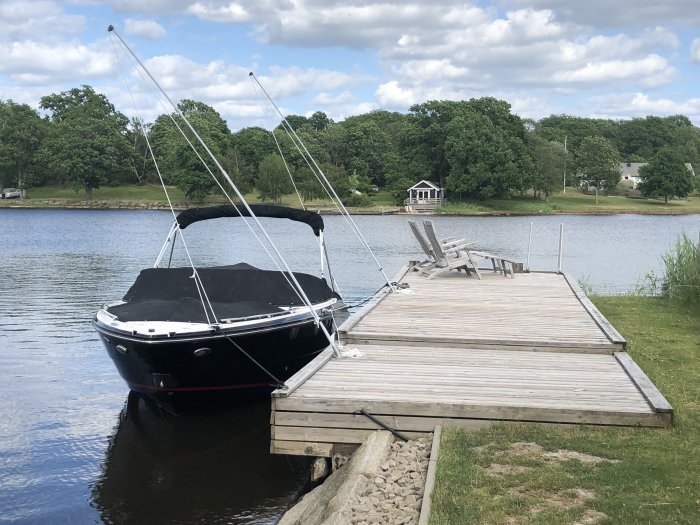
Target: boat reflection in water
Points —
{"points": [[205, 467]]}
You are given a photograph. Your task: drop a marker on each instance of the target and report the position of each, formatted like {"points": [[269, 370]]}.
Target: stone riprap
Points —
{"points": [[395, 494], [381, 484]]}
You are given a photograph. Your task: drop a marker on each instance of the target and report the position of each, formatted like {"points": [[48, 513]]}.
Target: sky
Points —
{"points": [[596, 58]]}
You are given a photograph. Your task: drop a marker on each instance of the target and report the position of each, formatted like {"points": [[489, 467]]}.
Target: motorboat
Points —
{"points": [[184, 333], [191, 334]]}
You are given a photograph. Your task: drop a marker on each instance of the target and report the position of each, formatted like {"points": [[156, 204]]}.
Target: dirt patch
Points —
{"points": [[523, 449], [566, 455], [570, 499], [567, 499], [533, 450], [590, 517], [498, 470]]}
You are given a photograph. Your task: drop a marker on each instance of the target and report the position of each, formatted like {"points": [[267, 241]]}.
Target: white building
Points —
{"points": [[424, 196], [630, 171]]}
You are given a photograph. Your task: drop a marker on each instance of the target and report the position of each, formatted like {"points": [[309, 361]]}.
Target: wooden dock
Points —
{"points": [[464, 352]]}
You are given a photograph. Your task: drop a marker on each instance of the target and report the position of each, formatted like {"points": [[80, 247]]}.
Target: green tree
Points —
{"points": [[295, 121], [482, 165], [21, 134], [574, 130], [332, 139], [143, 162], [320, 121], [686, 139], [87, 139], [240, 174], [253, 144], [598, 164], [189, 165], [365, 145], [550, 160], [666, 176], [273, 180], [431, 120], [644, 137]]}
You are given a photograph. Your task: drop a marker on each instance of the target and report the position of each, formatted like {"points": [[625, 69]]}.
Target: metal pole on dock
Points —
{"points": [[529, 243], [561, 245]]}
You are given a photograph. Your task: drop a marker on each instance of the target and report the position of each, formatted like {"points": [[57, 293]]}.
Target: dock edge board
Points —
{"points": [[648, 389], [608, 329]]}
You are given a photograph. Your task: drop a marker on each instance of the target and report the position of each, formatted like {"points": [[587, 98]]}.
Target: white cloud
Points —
{"points": [[537, 54], [232, 12], [695, 50], [525, 49], [326, 99], [627, 105], [45, 19], [282, 82], [392, 95], [150, 6], [620, 13], [35, 61], [650, 69], [149, 29]]}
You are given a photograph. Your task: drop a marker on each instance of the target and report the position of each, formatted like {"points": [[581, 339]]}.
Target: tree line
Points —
{"points": [[476, 149]]}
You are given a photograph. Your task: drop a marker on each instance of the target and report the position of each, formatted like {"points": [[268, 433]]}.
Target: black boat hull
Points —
{"points": [[184, 373]]}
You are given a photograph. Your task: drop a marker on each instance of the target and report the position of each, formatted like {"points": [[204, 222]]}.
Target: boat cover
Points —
{"points": [[241, 290], [313, 219]]}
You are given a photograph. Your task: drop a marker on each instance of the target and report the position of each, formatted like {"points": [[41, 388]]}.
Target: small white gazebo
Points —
{"points": [[425, 196]]}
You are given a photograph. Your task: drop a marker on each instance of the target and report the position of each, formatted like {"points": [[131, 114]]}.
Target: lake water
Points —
{"points": [[75, 448]]}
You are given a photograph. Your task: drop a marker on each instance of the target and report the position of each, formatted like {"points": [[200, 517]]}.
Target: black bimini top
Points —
{"points": [[241, 290], [313, 219]]}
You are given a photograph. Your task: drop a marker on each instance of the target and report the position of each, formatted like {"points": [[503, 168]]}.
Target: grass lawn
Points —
{"points": [[130, 192], [572, 202], [153, 194], [518, 473]]}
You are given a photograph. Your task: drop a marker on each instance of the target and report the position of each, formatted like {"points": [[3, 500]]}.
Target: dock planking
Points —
{"points": [[457, 351], [536, 311]]}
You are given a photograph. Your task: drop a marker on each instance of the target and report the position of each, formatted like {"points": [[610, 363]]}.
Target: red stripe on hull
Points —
{"points": [[149, 388]]}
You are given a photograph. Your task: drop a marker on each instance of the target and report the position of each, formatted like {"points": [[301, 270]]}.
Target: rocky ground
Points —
{"points": [[395, 494]]}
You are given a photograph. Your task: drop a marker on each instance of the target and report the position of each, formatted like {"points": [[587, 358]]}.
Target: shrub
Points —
{"points": [[683, 270]]}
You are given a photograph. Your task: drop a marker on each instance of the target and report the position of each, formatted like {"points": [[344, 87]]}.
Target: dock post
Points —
{"points": [[529, 244], [561, 245]]}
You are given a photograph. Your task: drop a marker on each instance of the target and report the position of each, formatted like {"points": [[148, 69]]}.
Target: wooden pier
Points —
{"points": [[464, 352]]}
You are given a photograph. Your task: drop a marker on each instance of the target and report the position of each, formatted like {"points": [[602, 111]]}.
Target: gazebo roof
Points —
{"points": [[424, 184]]}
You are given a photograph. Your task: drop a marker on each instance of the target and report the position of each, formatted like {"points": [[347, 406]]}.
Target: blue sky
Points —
{"points": [[600, 58]]}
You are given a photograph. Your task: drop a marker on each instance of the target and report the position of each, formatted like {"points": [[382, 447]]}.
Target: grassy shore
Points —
{"points": [[573, 202], [152, 196], [522, 474]]}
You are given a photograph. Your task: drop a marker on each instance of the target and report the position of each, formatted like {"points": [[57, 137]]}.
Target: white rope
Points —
{"points": [[291, 178], [204, 299], [320, 173], [141, 70], [299, 290]]}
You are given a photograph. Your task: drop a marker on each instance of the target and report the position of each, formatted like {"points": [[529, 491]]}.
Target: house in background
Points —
{"points": [[630, 171], [424, 196]]}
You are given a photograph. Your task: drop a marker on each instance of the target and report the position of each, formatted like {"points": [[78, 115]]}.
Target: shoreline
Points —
{"points": [[136, 205]]}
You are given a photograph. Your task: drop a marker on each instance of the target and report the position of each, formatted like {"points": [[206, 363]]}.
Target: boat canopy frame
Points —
{"points": [[192, 215]]}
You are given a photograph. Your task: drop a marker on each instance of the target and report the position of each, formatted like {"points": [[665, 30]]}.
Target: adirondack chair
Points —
{"points": [[498, 263], [448, 245], [454, 256], [430, 261]]}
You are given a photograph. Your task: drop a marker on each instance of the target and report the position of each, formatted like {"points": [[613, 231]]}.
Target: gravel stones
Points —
{"points": [[394, 495]]}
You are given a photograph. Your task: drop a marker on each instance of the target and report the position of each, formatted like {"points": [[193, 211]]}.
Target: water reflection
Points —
{"points": [[199, 468], [60, 394]]}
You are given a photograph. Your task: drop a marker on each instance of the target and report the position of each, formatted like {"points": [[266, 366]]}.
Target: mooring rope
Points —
{"points": [[296, 286]]}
